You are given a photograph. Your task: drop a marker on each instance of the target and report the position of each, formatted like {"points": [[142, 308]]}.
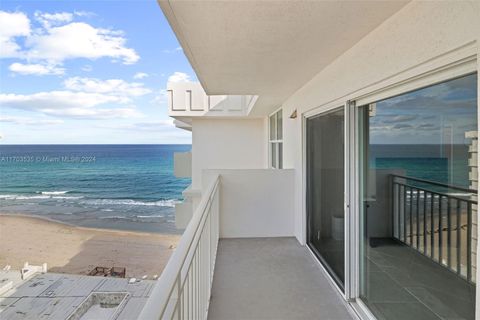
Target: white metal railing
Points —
{"points": [[183, 289]]}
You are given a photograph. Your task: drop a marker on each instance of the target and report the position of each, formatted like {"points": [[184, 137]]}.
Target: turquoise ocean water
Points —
{"points": [[132, 187], [440, 163], [129, 187]]}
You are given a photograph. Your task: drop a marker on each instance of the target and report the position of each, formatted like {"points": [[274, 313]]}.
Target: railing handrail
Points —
{"points": [[438, 193], [163, 289], [435, 183]]}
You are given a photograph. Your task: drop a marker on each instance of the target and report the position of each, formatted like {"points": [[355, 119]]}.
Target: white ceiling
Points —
{"points": [[269, 48]]}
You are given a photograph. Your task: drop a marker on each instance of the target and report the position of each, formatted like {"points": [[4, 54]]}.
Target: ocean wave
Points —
{"points": [[22, 197], [62, 196], [34, 197], [67, 197], [150, 217], [53, 193], [130, 202], [136, 218]]}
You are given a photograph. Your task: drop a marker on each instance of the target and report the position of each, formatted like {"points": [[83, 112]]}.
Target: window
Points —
{"points": [[276, 140]]}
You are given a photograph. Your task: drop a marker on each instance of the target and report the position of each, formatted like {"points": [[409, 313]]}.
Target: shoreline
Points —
{"points": [[71, 225], [75, 249]]}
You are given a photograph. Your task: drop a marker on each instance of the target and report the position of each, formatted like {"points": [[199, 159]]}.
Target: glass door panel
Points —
{"points": [[418, 190], [325, 190]]}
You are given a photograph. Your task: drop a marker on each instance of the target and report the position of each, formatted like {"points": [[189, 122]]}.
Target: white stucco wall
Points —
{"points": [[255, 202], [227, 144], [420, 32]]}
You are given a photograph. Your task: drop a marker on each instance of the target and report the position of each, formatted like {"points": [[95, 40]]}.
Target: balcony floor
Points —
{"points": [[271, 278]]}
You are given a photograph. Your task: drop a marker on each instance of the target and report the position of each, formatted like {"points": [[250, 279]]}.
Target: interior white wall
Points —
{"points": [[418, 33], [255, 202], [227, 144]]}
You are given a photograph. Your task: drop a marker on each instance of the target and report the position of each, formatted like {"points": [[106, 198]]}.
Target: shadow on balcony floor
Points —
{"points": [[271, 278]]}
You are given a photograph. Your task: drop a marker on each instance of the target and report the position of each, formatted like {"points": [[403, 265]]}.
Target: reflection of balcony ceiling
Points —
{"points": [[269, 48]]}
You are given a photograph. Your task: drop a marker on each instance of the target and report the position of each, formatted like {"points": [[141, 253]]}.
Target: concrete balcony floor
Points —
{"points": [[271, 278]]}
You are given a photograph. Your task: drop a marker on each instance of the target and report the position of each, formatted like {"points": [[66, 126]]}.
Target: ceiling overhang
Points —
{"points": [[269, 48]]}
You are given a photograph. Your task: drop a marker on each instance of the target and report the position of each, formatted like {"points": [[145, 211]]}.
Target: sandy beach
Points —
{"points": [[77, 250]]}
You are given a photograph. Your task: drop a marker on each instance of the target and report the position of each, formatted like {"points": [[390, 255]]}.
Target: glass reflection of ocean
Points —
{"points": [[445, 164]]}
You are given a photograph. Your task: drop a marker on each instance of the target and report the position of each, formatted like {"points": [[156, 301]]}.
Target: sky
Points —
{"points": [[88, 72], [438, 114]]}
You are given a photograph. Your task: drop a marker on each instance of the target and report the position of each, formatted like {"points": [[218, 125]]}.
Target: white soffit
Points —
{"points": [[269, 48]]}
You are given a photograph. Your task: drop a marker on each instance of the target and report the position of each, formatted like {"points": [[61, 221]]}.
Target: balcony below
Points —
{"points": [[271, 278], [188, 99]]}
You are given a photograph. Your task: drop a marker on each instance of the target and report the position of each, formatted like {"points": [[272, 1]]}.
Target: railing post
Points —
{"points": [[469, 241], [432, 226], [179, 297], [440, 229], [425, 223], [417, 220], [459, 238], [449, 232]]}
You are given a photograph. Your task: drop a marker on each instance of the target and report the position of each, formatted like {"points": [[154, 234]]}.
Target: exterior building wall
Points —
{"points": [[473, 177], [418, 33], [255, 203], [227, 144]]}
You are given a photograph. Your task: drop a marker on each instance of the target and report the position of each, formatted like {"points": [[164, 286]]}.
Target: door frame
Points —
{"points": [[346, 291], [455, 63]]}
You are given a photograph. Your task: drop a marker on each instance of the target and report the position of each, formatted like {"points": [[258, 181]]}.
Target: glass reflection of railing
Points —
{"points": [[436, 219]]}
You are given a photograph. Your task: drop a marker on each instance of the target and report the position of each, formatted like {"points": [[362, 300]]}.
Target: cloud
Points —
{"points": [[150, 126], [402, 126], [116, 87], [177, 49], [36, 69], [49, 19], [160, 98], [60, 38], [69, 104], [399, 118], [79, 40], [140, 75], [29, 121], [83, 98], [427, 126], [179, 77], [12, 25]]}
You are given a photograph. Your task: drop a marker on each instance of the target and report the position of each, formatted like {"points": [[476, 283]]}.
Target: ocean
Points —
{"points": [[125, 187], [132, 187], [440, 163]]}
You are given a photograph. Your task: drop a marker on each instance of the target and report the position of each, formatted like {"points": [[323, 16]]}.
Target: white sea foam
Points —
{"points": [[152, 216], [35, 197], [21, 197], [129, 202], [52, 193], [62, 195]]}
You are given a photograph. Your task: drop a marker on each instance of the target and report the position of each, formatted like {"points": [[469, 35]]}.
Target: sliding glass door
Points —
{"points": [[418, 210], [325, 144]]}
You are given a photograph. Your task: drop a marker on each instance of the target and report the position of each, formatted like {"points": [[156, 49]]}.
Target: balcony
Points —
{"points": [[271, 278], [221, 269], [188, 99]]}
